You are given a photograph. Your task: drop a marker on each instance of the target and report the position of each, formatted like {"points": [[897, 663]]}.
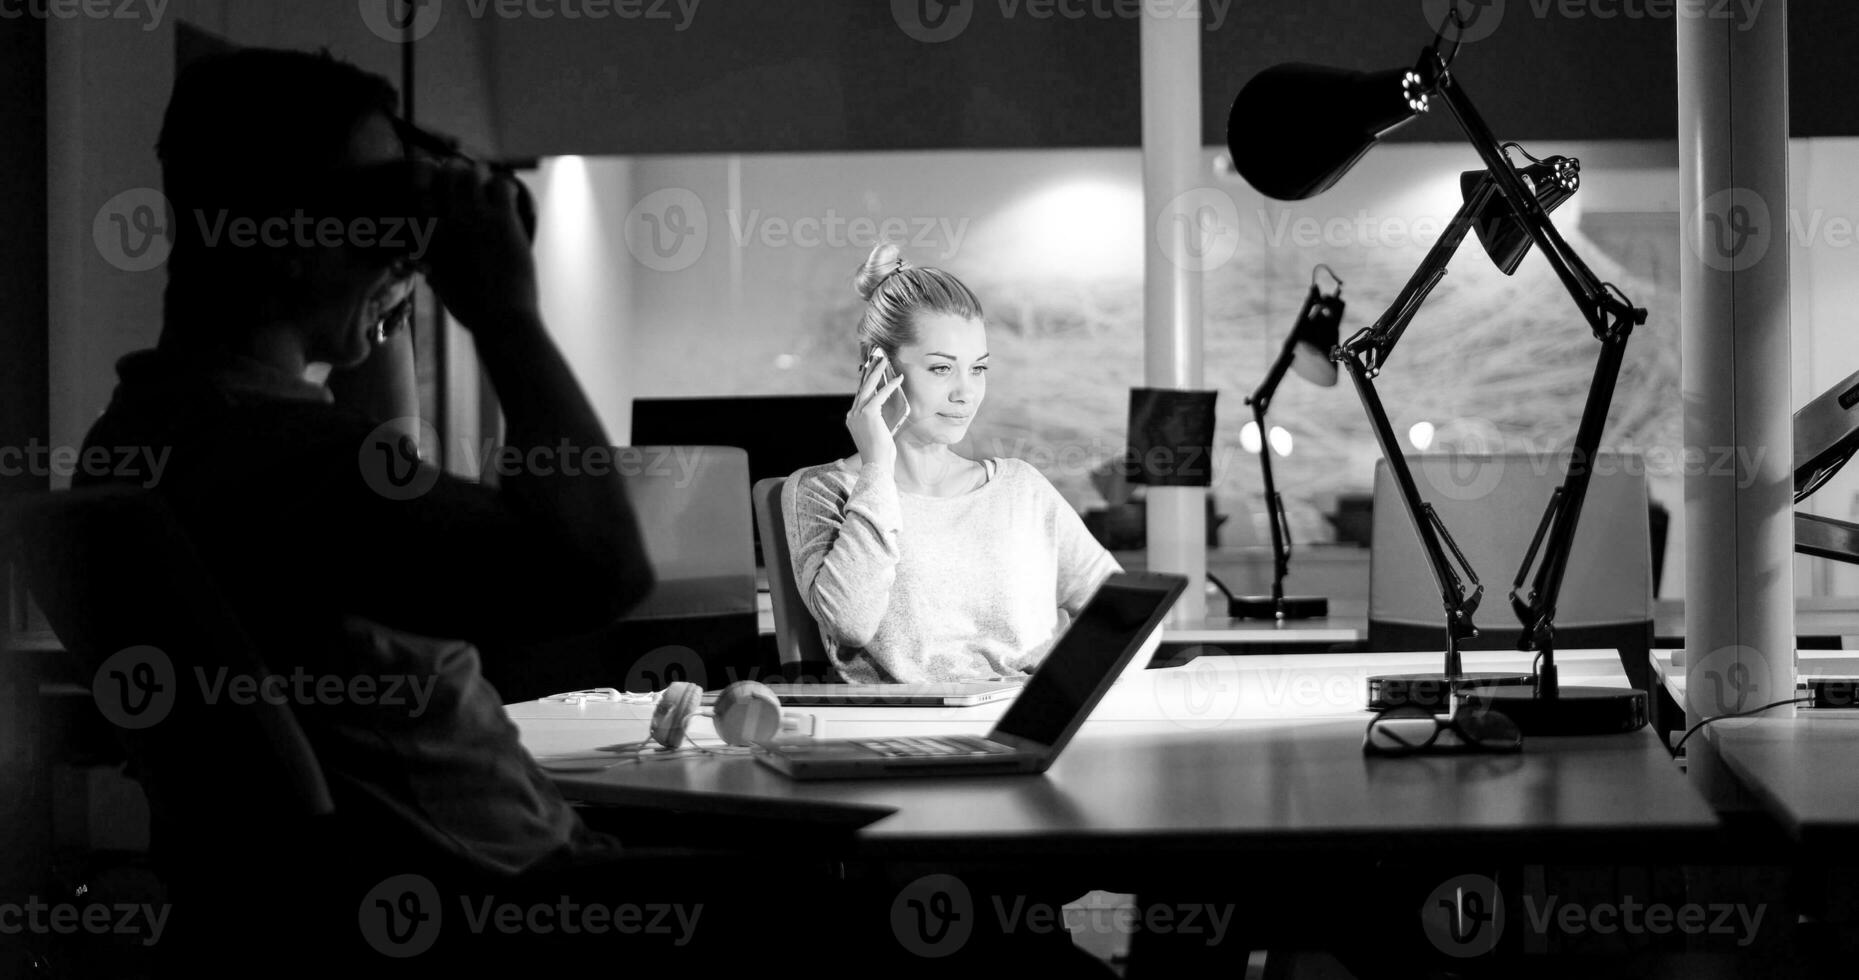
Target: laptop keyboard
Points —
{"points": [[918, 747]]}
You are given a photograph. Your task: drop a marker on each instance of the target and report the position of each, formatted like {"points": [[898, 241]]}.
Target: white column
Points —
{"points": [[1172, 173], [1733, 194]]}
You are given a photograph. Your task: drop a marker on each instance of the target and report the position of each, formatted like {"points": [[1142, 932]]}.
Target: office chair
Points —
{"points": [[797, 633], [244, 832], [699, 621], [1492, 505]]}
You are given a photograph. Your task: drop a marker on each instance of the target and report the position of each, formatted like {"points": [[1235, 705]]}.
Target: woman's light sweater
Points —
{"points": [[910, 588]]}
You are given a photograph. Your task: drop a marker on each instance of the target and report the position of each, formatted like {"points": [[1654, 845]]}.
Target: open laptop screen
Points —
{"points": [[1090, 656]]}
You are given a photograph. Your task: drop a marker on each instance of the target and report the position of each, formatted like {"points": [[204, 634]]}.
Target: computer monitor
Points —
{"points": [[781, 433]]}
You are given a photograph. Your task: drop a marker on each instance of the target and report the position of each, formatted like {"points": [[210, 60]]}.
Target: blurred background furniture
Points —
{"points": [[1492, 505]]}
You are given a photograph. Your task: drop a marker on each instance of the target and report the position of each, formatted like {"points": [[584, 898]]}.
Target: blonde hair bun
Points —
{"points": [[884, 262]]}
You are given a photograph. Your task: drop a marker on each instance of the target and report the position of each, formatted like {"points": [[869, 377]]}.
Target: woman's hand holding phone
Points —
{"points": [[878, 381]]}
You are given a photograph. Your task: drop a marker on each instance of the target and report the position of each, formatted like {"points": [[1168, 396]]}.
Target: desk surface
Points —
{"points": [[1669, 667], [1348, 623], [1801, 769], [1260, 755]]}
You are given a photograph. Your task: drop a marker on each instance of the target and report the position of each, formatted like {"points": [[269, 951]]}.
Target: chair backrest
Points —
{"points": [[122, 587], [693, 509], [1493, 505], [797, 633]]}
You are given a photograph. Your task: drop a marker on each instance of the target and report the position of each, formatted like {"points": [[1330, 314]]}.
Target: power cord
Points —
{"points": [[1693, 730]]}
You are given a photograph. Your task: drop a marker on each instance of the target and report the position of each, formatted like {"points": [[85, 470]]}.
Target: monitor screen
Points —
{"points": [[781, 433], [1090, 656]]}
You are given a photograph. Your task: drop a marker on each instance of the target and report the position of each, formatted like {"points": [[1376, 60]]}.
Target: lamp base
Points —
{"points": [[1430, 691], [1265, 607], [1574, 711]]}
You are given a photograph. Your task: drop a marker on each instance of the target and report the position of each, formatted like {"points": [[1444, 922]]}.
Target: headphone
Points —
{"points": [[746, 713]]}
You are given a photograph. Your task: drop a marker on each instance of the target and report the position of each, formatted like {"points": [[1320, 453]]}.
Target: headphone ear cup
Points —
{"points": [[676, 706], [748, 713]]}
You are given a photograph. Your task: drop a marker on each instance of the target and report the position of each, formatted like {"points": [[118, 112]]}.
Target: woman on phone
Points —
{"points": [[921, 564]]}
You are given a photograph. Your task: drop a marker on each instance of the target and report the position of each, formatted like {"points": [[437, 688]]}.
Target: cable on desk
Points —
{"points": [[1693, 730]]}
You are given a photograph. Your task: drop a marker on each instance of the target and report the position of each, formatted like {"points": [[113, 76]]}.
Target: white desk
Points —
{"points": [[1208, 694], [1669, 667]]}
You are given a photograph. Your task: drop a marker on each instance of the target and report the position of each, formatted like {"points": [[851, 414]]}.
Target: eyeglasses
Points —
{"points": [[1414, 730]]}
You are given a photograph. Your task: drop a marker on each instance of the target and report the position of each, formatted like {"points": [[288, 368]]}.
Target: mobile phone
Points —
{"points": [[889, 374]]}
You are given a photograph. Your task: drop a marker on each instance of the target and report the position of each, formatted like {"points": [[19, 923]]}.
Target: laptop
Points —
{"points": [[950, 694], [1053, 703]]}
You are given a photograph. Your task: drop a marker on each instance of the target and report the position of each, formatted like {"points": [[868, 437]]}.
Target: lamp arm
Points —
{"points": [[1261, 398], [1458, 605], [1826, 537], [1604, 311], [1376, 342], [1281, 546]]}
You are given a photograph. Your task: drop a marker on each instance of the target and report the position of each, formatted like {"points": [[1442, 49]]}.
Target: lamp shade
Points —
{"points": [[1499, 229], [1317, 333], [1295, 129]]}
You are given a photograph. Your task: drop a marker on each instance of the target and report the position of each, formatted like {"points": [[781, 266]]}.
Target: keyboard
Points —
{"points": [[920, 747]]}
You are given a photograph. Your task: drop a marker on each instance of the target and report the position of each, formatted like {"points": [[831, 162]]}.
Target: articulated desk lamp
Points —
{"points": [[1826, 433], [1294, 130], [1306, 351]]}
